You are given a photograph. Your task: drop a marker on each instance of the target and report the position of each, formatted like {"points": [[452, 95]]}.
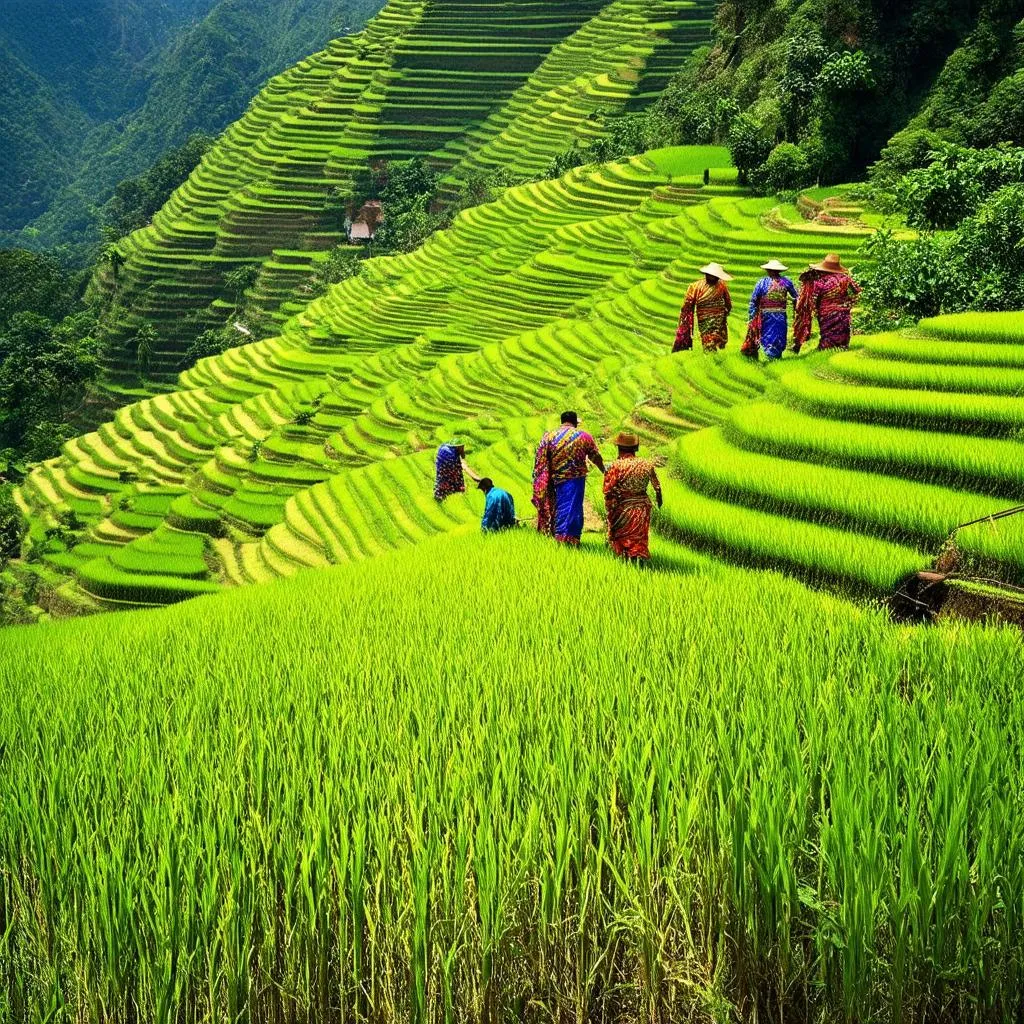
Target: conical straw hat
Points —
{"points": [[716, 270], [774, 265], [831, 264]]}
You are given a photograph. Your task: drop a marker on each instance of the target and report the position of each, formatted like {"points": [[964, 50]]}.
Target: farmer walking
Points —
{"points": [[769, 305], [560, 477], [709, 300], [830, 293], [499, 508], [449, 466], [626, 503]]}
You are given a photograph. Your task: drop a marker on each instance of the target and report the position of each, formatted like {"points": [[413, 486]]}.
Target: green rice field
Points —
{"points": [[542, 785], [332, 755]]}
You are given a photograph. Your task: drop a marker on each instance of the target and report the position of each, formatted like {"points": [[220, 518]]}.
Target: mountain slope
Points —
{"points": [[194, 71], [41, 136], [421, 79], [263, 448]]}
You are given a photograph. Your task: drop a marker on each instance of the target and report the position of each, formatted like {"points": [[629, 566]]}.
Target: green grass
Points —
{"points": [[1007, 328], [684, 161], [906, 511], [281, 802], [982, 464]]}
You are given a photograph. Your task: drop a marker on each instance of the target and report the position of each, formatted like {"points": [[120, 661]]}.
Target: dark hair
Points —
{"points": [[485, 484], [570, 417]]}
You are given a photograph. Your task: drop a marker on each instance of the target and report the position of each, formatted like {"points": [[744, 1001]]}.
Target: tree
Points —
{"points": [[209, 343], [44, 372], [12, 526], [748, 145], [786, 169], [38, 283], [144, 344], [340, 264], [241, 279]]}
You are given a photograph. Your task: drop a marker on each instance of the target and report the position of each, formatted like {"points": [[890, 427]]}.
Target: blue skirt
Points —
{"points": [[569, 510], [773, 334]]}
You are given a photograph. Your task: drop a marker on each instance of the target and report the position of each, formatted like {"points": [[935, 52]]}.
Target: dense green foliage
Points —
{"points": [[969, 205], [435, 802], [135, 200], [141, 78], [47, 353], [839, 77], [90, 66]]}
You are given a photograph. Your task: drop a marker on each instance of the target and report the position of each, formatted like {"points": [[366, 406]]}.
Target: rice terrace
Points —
{"points": [[521, 519]]}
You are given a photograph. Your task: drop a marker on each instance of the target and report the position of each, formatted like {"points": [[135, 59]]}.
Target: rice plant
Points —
{"points": [[430, 787]]}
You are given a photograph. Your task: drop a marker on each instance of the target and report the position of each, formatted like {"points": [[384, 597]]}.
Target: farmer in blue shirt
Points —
{"points": [[500, 510]]}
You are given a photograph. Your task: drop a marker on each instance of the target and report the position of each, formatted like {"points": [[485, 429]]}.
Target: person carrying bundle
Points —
{"points": [[626, 503], [560, 478], [769, 304], [709, 300], [449, 466], [499, 508], [828, 291]]}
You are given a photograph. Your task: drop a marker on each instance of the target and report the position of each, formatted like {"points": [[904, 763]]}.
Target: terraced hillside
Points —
{"points": [[857, 467], [460, 82], [316, 446]]}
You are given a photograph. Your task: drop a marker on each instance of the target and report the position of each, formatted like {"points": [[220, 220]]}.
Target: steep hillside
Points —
{"points": [[456, 81], [140, 78], [563, 291], [56, 85], [838, 78], [32, 173]]}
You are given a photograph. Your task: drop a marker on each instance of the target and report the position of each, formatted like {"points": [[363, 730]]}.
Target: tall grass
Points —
{"points": [[491, 780]]}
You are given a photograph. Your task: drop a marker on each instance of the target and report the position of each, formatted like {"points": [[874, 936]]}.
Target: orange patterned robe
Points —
{"points": [[712, 305], [627, 506]]}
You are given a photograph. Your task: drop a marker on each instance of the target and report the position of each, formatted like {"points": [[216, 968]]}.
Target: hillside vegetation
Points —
{"points": [[369, 765], [830, 81], [462, 83], [316, 446], [141, 77]]}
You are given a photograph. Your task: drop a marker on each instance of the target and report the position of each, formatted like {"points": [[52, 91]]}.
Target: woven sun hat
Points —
{"points": [[831, 264], [716, 270], [774, 265], [623, 439]]}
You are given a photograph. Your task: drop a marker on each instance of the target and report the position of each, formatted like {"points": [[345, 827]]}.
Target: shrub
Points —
{"points": [[786, 169], [748, 145], [906, 276]]}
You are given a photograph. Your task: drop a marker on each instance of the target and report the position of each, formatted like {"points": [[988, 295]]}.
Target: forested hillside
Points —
{"points": [[139, 78], [837, 78]]}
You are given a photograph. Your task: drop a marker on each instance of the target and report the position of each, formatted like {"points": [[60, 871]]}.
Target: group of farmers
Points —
{"points": [[827, 291], [565, 454]]}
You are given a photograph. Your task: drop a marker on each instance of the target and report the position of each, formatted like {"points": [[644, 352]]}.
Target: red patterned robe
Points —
{"points": [[832, 297], [712, 304], [627, 505]]}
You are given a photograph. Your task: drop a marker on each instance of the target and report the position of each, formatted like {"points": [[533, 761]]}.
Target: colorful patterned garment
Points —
{"points": [[448, 478], [559, 479], [768, 323], [832, 297], [627, 506], [712, 305]]}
